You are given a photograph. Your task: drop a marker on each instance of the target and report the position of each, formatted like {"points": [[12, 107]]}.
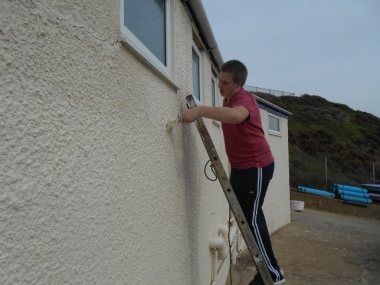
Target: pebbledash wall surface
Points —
{"points": [[94, 190]]}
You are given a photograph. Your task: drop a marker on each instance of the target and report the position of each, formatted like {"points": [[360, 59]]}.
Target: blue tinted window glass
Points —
{"points": [[196, 77], [274, 124], [145, 19]]}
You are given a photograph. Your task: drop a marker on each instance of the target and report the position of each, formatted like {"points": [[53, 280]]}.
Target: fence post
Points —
{"points": [[374, 179], [326, 171]]}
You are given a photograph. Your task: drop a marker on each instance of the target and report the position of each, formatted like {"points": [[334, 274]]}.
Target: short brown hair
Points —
{"points": [[237, 69]]}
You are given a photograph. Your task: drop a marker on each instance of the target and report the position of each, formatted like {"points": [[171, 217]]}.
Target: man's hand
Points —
{"points": [[190, 115]]}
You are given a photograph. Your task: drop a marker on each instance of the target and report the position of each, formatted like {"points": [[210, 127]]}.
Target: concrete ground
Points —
{"points": [[321, 248]]}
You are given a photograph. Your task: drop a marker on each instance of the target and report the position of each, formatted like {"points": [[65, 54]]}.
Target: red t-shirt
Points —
{"points": [[245, 143]]}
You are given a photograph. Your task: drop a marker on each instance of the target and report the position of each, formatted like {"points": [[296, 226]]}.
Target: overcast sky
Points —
{"points": [[329, 48]]}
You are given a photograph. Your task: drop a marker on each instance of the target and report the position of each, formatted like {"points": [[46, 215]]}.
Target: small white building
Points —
{"points": [[94, 189]]}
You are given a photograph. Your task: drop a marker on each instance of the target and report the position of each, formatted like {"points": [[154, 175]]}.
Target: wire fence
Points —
{"points": [[321, 175], [269, 91]]}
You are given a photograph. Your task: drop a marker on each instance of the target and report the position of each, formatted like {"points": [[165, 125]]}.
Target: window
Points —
{"points": [[197, 74], [214, 91], [274, 124], [146, 27]]}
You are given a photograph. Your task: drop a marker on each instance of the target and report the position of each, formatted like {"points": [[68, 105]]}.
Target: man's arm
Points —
{"points": [[233, 115]]}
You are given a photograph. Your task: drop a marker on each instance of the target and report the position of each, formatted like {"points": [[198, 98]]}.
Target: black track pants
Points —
{"points": [[250, 186]]}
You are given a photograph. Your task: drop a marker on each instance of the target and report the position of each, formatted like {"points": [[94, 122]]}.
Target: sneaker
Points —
{"points": [[257, 280], [279, 282], [282, 280]]}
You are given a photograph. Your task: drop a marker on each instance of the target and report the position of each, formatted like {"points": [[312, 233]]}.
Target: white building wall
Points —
{"points": [[277, 202], [93, 188]]}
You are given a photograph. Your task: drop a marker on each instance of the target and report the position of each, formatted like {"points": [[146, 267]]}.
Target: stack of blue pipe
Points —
{"points": [[351, 193], [316, 191], [343, 192]]}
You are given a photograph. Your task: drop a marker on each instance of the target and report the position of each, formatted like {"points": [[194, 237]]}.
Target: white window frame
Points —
{"points": [[215, 97], [140, 48], [274, 132], [198, 52]]}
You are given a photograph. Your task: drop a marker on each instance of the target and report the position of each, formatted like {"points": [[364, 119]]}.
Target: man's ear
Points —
{"points": [[240, 83]]}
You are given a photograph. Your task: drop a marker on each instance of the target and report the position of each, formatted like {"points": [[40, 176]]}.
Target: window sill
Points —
{"points": [[273, 133]]}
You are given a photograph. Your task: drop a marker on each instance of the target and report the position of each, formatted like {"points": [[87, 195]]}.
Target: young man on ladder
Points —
{"points": [[252, 162]]}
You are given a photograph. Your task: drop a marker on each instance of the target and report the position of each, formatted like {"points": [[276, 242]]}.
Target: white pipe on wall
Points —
{"points": [[220, 246], [238, 235], [219, 251], [215, 266], [215, 243], [233, 239], [239, 243], [222, 229]]}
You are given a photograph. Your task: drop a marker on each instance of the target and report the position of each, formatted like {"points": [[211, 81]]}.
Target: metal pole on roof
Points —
{"points": [[374, 179], [326, 170]]}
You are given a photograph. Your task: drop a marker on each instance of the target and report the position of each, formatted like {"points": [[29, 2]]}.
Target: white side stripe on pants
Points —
{"points": [[256, 227]]}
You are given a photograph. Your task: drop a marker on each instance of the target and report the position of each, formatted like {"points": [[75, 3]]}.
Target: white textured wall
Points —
{"points": [[93, 188]]}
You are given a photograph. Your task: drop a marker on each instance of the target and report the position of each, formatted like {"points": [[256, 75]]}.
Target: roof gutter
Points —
{"points": [[200, 18]]}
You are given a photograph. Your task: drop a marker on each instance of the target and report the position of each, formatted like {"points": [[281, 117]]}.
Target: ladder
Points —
{"points": [[231, 197]]}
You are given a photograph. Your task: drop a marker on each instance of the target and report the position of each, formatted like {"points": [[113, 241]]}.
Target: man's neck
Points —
{"points": [[228, 98]]}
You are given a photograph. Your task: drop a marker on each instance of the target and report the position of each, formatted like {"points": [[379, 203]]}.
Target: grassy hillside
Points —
{"points": [[350, 140]]}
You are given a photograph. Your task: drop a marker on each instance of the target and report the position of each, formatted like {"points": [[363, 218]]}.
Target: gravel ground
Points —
{"points": [[322, 248]]}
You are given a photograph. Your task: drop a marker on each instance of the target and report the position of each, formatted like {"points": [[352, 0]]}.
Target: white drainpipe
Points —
{"points": [[238, 235], [215, 275], [233, 239], [220, 243], [220, 247]]}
